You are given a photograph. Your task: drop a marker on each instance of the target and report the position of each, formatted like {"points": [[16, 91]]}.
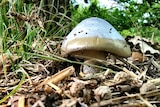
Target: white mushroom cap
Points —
{"points": [[93, 37]]}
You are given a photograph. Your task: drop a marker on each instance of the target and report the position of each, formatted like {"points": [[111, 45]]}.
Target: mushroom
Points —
{"points": [[93, 38]]}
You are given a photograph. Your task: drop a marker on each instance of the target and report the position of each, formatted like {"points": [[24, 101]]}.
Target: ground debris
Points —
{"points": [[116, 82]]}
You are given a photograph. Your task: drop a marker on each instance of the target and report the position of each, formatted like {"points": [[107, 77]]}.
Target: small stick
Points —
{"points": [[124, 98], [58, 76], [58, 89], [130, 72], [155, 64], [145, 101], [132, 65]]}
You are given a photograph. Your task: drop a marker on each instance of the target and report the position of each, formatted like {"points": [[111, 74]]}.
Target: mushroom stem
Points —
{"points": [[100, 62]]}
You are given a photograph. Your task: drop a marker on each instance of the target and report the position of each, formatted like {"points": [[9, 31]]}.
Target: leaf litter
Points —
{"points": [[124, 82]]}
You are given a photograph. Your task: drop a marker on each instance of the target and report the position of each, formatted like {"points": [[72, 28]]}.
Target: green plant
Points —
{"points": [[23, 31]]}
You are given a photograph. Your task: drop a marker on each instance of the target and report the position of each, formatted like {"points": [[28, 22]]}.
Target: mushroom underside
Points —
{"points": [[95, 48]]}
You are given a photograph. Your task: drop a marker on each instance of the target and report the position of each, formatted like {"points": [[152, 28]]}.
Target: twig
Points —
{"points": [[155, 64], [146, 102], [132, 65], [130, 73], [58, 76], [124, 98]]}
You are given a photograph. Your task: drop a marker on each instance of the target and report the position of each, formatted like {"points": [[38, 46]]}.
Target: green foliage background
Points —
{"points": [[23, 22], [128, 22]]}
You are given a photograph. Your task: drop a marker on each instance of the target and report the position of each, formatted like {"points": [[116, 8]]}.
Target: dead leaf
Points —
{"points": [[76, 87], [102, 92], [144, 47], [72, 103], [147, 87], [137, 56]]}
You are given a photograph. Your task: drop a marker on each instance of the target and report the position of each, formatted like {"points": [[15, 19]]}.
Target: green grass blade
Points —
{"points": [[14, 90]]}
